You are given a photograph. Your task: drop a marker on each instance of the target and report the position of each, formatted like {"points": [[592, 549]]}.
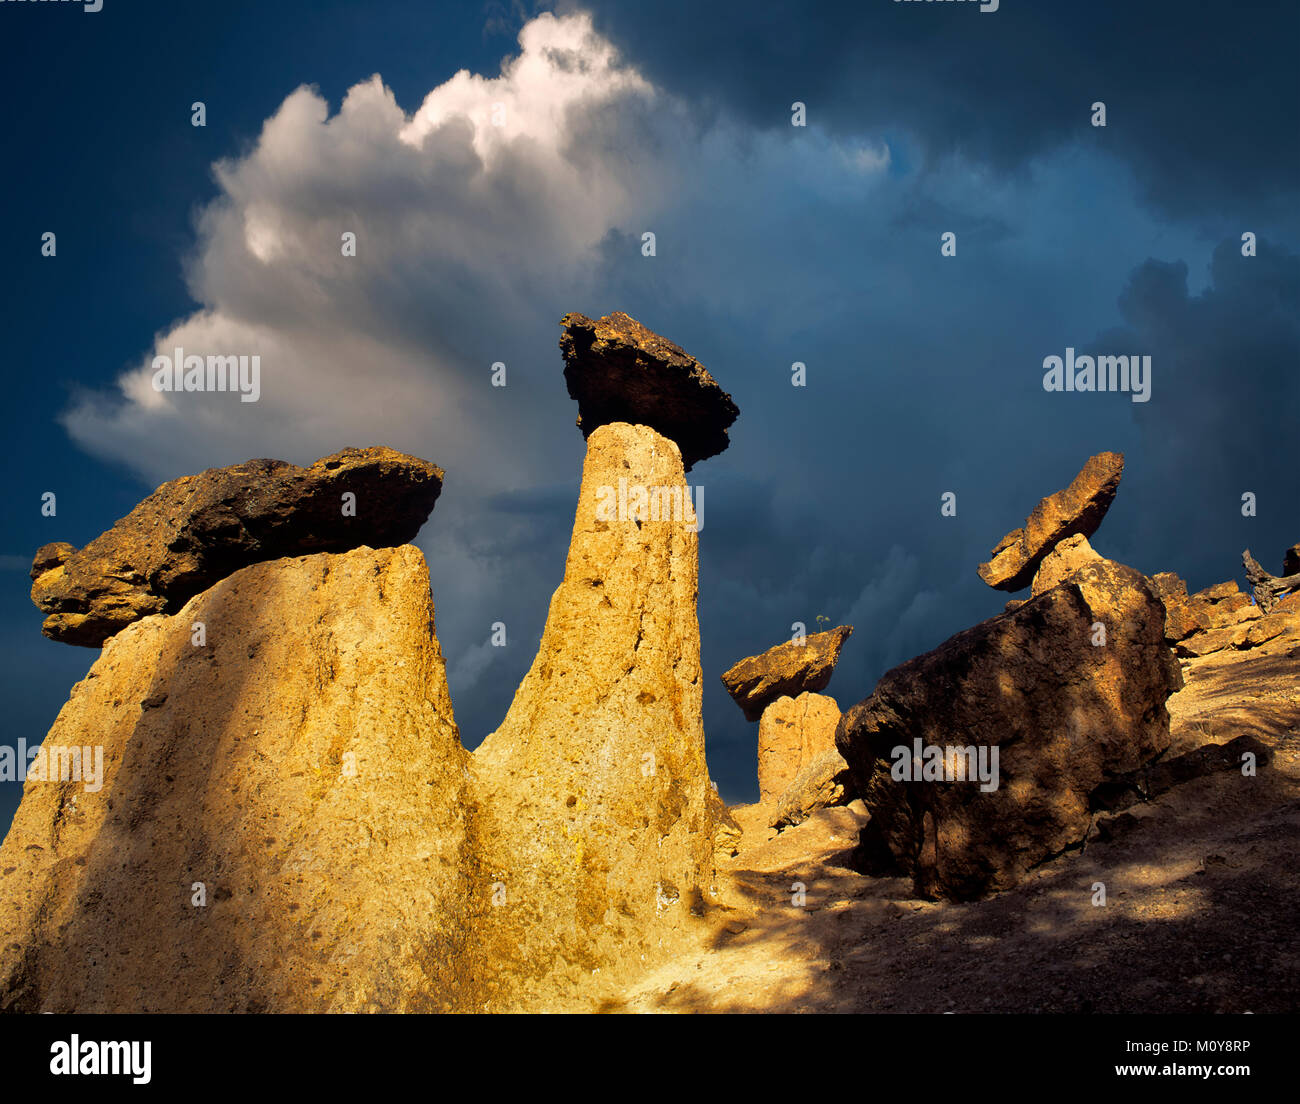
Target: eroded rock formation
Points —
{"points": [[824, 782], [602, 820], [619, 371], [1076, 510], [288, 821], [786, 670], [283, 822], [792, 732]]}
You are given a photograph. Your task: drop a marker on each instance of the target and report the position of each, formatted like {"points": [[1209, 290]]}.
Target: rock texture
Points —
{"points": [[602, 819], [1078, 509], [1062, 562], [1065, 713], [823, 783], [792, 732], [1267, 588], [196, 530], [619, 371], [785, 670], [302, 765], [1211, 620]]}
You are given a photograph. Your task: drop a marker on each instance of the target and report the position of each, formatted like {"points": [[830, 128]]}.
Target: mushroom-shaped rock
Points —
{"points": [[279, 821], [619, 371], [1078, 509], [194, 531], [786, 670]]}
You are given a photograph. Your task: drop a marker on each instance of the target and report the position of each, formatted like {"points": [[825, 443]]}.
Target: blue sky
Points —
{"points": [[774, 244]]}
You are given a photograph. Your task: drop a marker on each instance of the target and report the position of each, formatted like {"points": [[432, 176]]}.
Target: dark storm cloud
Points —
{"points": [[1203, 99], [1224, 409]]}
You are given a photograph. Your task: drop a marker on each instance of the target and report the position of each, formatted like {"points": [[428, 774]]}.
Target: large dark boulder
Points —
{"points": [[1068, 689]]}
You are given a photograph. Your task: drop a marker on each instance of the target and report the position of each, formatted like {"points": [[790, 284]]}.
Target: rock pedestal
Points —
{"points": [[792, 733], [283, 823], [601, 819]]}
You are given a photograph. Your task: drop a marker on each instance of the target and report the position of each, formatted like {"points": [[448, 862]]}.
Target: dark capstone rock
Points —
{"points": [[619, 371], [194, 531], [786, 670]]}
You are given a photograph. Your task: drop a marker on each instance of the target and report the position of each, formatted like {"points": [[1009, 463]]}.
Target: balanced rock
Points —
{"points": [[1078, 509], [786, 670], [792, 732], [1062, 709], [619, 371], [281, 821], [193, 531], [602, 818]]}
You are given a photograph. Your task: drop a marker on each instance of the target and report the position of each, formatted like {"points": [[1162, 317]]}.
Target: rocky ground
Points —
{"points": [[1202, 892]]}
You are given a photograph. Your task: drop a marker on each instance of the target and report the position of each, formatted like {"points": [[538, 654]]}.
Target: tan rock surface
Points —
{"points": [[823, 783], [792, 733], [1078, 509], [1062, 562], [601, 822], [302, 765]]}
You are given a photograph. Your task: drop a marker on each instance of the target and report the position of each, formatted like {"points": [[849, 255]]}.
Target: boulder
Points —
{"points": [[1062, 562], [602, 816], [823, 783], [619, 371], [1206, 641], [1078, 509], [786, 670], [282, 821], [196, 530], [791, 733], [1063, 710], [1291, 561], [1198, 618]]}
